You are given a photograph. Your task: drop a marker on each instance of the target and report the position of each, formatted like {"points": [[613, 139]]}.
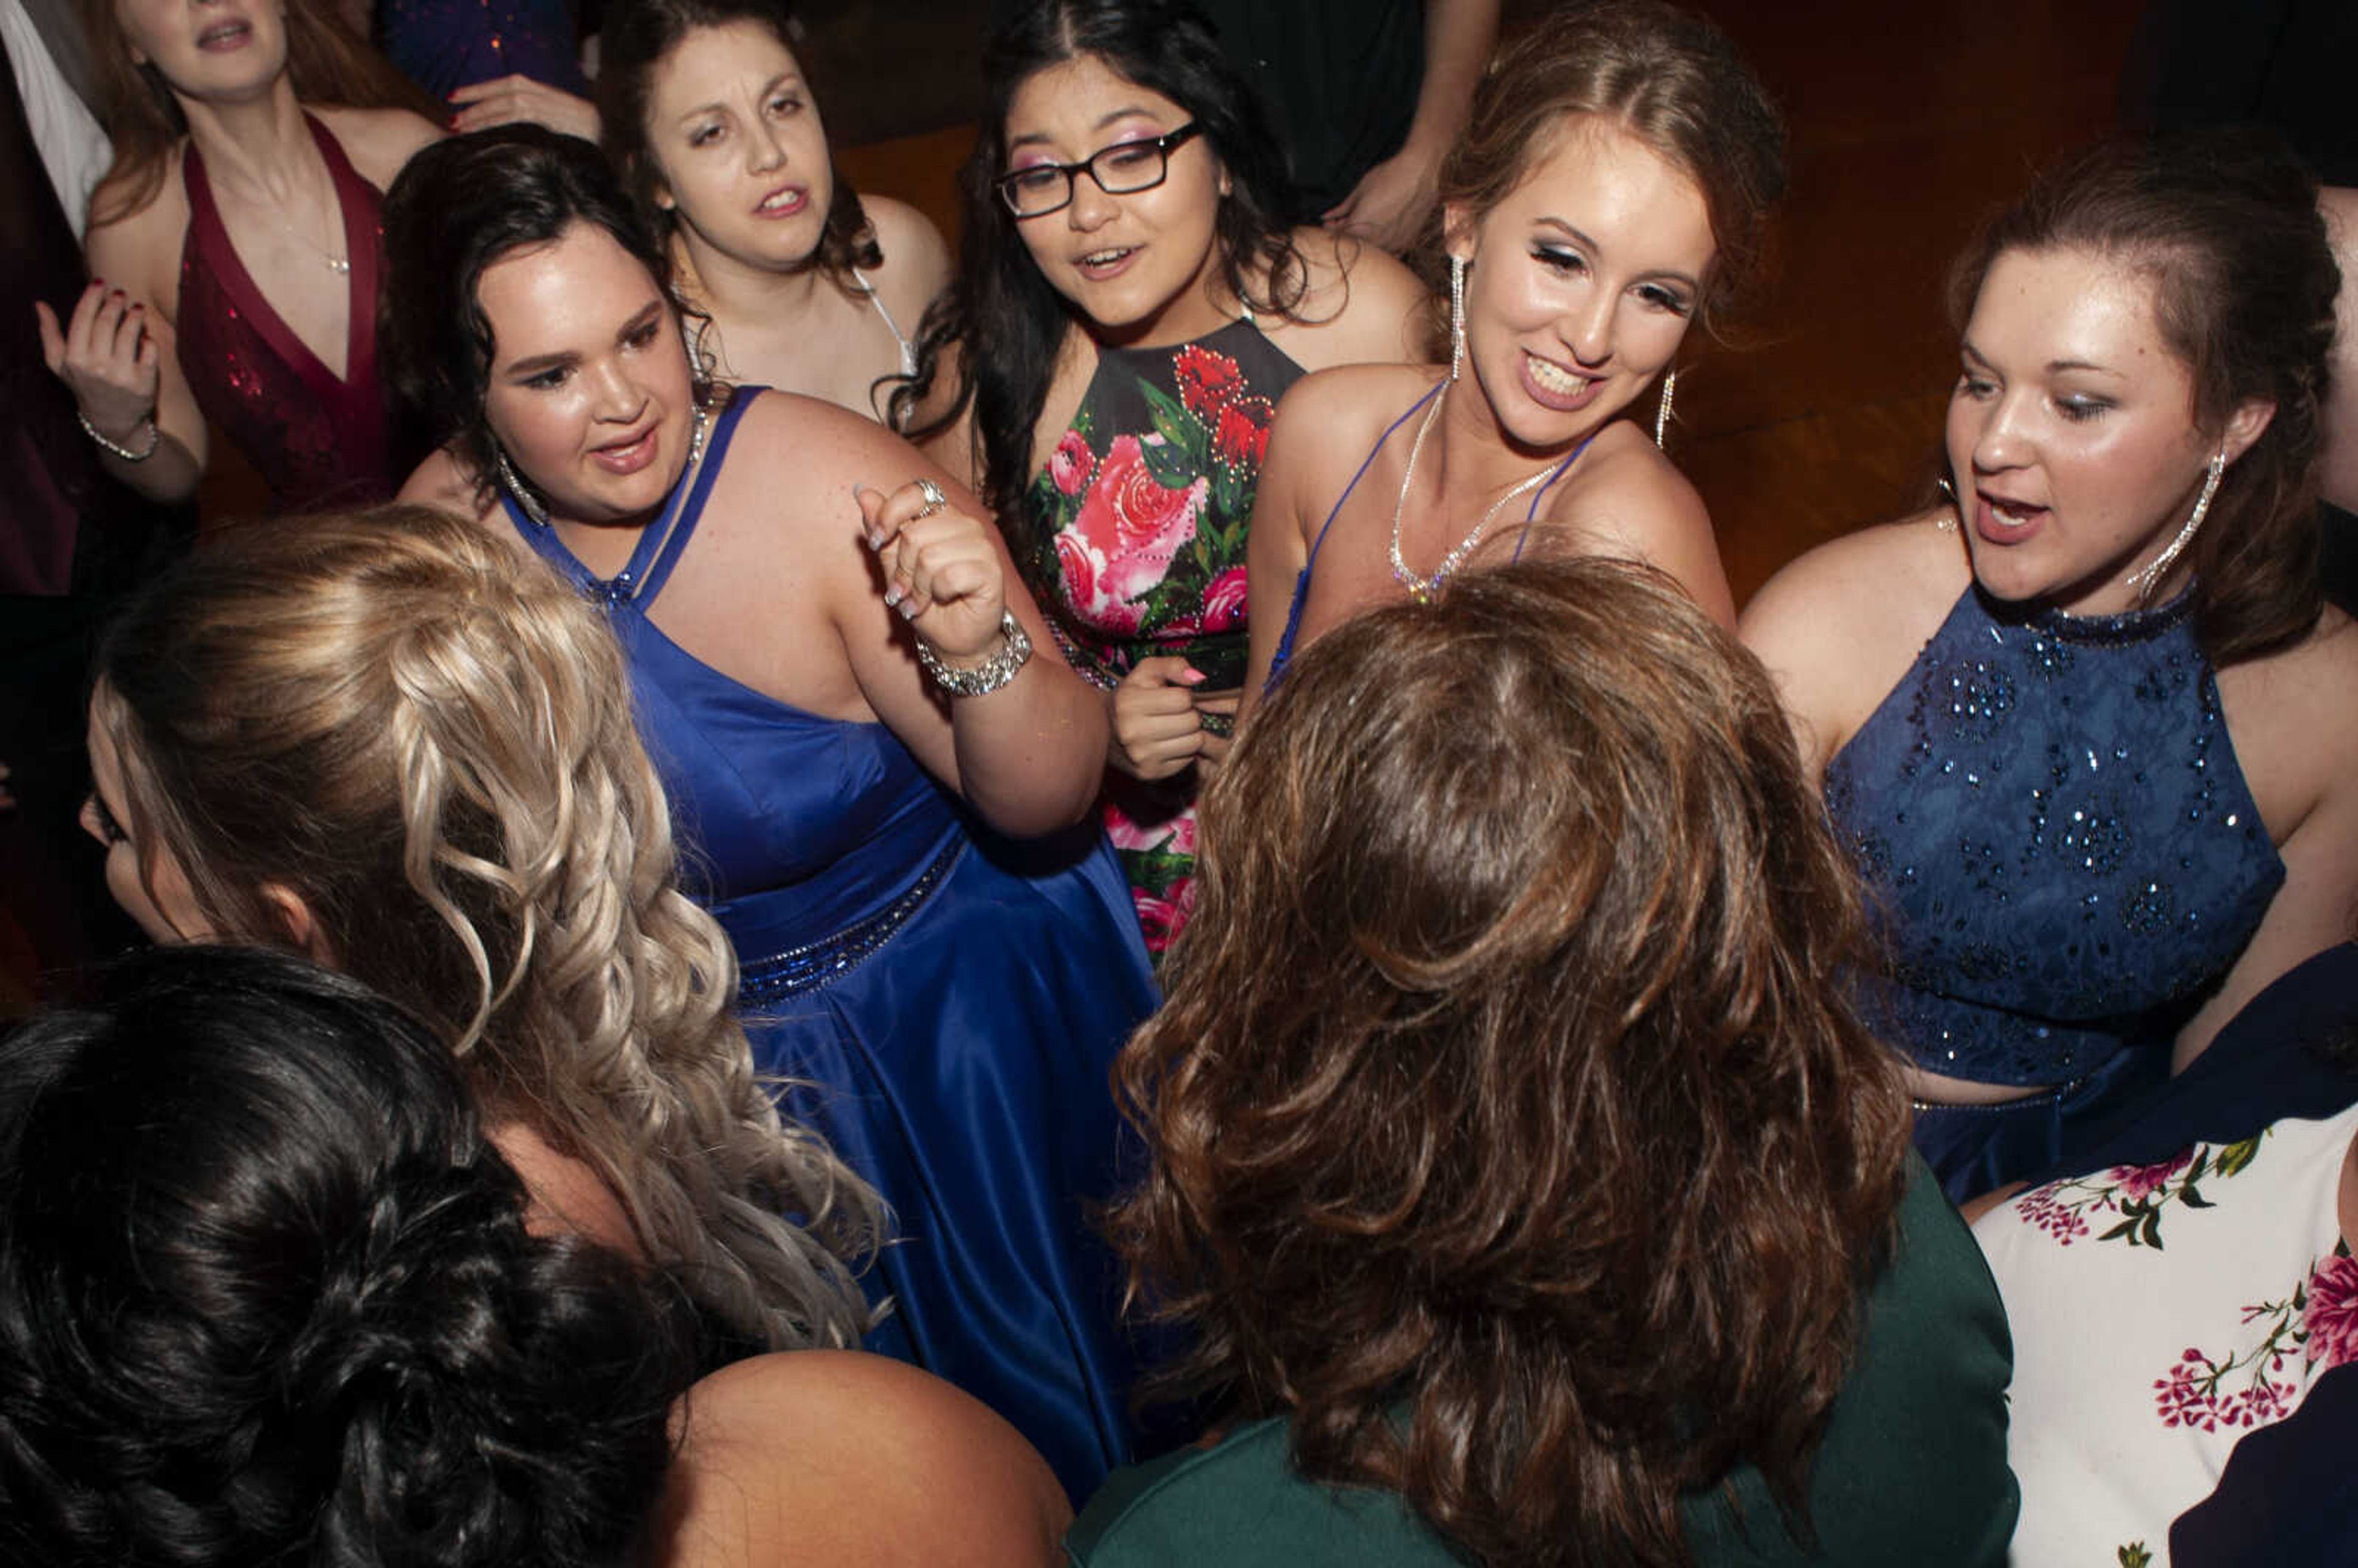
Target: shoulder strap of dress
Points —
{"points": [[908, 349], [1365, 464], [688, 502], [1531, 513], [198, 188]]}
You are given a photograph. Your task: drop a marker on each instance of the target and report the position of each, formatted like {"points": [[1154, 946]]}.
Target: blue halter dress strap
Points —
{"points": [[661, 543], [1302, 579]]}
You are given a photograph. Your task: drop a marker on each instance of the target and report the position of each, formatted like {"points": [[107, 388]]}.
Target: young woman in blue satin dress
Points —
{"points": [[2088, 728], [936, 947]]}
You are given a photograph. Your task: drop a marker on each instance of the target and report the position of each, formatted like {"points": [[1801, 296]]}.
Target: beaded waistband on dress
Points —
{"points": [[815, 964]]}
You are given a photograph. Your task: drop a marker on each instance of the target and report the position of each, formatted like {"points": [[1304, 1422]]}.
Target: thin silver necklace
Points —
{"points": [[1423, 589]]}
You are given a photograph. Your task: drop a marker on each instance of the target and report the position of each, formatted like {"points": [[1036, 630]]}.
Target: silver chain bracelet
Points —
{"points": [[980, 680], [155, 438]]}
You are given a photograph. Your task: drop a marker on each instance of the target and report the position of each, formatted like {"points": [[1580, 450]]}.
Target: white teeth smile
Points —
{"points": [[1105, 258], [781, 200], [1553, 378], [2014, 514]]}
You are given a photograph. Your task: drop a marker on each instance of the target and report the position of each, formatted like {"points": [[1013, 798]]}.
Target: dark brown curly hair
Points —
{"points": [[1507, 1076], [2225, 224]]}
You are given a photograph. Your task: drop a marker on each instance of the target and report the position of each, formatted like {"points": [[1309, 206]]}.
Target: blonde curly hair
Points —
{"points": [[428, 740]]}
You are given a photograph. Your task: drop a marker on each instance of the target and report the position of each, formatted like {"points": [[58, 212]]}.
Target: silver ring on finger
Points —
{"points": [[935, 499]]}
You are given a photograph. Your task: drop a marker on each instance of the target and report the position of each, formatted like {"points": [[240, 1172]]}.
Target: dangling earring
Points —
{"points": [[1456, 316], [1662, 413], [513, 483], [1947, 522], [2145, 579]]}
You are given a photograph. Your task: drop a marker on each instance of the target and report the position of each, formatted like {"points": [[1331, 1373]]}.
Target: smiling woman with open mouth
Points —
{"points": [[1130, 310]]}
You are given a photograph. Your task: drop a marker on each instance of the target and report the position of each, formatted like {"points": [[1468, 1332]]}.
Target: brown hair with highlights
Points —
{"points": [[1505, 1075], [1665, 76], [2225, 225]]}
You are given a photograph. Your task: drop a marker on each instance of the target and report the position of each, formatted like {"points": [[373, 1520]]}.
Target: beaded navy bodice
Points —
{"points": [[2060, 845]]}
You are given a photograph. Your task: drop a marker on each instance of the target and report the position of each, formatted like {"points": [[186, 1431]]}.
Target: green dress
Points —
{"points": [[1912, 1470]]}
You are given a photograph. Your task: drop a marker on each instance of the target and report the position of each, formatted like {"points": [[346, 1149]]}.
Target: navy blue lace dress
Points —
{"points": [[2065, 861]]}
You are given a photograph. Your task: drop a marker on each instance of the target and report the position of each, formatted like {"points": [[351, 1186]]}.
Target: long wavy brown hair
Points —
{"points": [[325, 63], [1513, 1136], [430, 742], [2225, 223]]}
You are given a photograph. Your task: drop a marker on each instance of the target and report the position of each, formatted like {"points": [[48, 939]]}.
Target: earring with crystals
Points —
{"points": [[2145, 579], [513, 483], [1456, 316], [1662, 412]]}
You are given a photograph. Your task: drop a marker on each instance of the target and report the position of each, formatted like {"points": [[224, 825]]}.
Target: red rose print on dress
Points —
{"points": [[1206, 380], [1224, 601], [1241, 439], [2332, 1315], [1132, 524], [1070, 463]]}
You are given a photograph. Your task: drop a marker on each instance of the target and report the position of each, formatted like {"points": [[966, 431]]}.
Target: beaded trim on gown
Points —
{"points": [[948, 1003]]}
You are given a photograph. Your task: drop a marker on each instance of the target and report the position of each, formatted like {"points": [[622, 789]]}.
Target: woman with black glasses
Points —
{"points": [[1130, 310]]}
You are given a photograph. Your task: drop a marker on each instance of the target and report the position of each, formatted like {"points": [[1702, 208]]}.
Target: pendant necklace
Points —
{"points": [[1424, 588]]}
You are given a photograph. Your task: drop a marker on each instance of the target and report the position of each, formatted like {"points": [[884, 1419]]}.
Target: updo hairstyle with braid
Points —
{"points": [[266, 1294], [427, 742]]}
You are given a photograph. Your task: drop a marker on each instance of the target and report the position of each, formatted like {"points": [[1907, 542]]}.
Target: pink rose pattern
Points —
{"points": [[1136, 525], [1140, 551], [1070, 464]]}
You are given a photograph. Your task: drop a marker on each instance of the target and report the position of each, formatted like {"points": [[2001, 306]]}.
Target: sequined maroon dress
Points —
{"points": [[319, 440]]}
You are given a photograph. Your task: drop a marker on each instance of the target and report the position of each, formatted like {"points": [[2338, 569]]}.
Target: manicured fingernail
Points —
{"points": [[1191, 677], [892, 596], [908, 608]]}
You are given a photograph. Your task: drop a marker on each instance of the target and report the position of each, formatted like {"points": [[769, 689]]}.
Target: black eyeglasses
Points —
{"points": [[1120, 170]]}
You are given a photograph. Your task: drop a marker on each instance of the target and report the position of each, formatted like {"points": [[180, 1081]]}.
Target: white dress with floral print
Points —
{"points": [[2160, 1313]]}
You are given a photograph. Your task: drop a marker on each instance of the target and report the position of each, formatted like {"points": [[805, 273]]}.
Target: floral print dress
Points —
{"points": [[1138, 517], [2161, 1314]]}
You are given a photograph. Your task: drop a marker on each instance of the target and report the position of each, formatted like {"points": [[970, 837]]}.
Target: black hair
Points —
{"points": [[266, 1294], [1006, 317], [459, 206], [637, 35]]}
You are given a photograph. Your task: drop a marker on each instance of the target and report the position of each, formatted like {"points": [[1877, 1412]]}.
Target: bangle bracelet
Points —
{"points": [[154, 437], [980, 680]]}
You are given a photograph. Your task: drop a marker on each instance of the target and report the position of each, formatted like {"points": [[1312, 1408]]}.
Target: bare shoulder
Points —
{"points": [[916, 260], [1358, 306], [839, 1456], [1902, 576], [141, 249], [1623, 484], [1839, 627], [2304, 690], [445, 483], [1348, 396], [821, 443], [796, 465], [378, 141]]}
